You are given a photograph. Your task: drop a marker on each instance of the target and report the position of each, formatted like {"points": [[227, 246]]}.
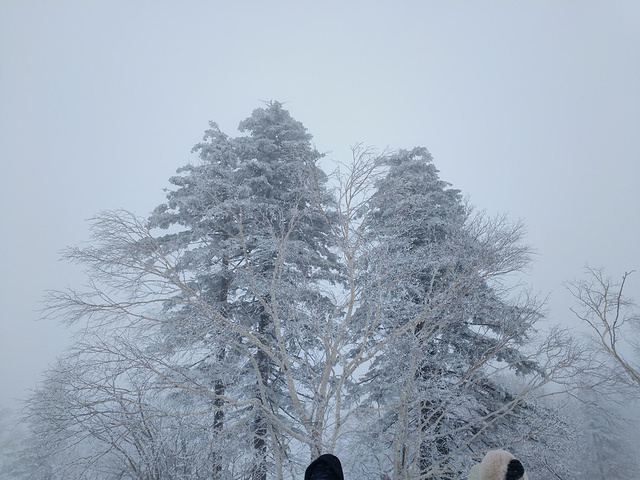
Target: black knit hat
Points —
{"points": [[325, 467]]}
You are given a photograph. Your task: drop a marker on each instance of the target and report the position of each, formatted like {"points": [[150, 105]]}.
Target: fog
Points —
{"points": [[530, 108]]}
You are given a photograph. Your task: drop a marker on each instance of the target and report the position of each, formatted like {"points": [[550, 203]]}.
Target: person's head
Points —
{"points": [[325, 467]]}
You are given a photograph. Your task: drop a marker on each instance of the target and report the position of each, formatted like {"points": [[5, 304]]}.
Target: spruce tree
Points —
{"points": [[431, 276], [253, 241]]}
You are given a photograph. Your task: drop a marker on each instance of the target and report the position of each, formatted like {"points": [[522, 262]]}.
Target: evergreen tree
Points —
{"points": [[605, 450], [431, 276], [255, 244]]}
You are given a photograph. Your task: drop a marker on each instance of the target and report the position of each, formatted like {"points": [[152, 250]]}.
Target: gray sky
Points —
{"points": [[531, 108]]}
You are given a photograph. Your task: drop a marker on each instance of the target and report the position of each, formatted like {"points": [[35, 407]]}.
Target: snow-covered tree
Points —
{"points": [[256, 247], [432, 303], [604, 438], [231, 311], [256, 320], [12, 437], [603, 306]]}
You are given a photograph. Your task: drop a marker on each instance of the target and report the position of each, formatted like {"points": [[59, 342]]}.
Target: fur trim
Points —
{"points": [[501, 465]]}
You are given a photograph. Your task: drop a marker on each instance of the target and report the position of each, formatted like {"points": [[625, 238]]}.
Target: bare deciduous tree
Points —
{"points": [[602, 305]]}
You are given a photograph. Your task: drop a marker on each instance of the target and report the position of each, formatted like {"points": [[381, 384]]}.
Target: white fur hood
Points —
{"points": [[498, 465]]}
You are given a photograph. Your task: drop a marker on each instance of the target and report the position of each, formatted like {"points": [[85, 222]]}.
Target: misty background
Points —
{"points": [[530, 108]]}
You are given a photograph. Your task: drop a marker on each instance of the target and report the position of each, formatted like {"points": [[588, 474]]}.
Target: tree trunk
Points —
{"points": [[259, 470], [219, 387]]}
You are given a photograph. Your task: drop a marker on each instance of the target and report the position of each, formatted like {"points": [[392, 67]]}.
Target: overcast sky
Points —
{"points": [[531, 108]]}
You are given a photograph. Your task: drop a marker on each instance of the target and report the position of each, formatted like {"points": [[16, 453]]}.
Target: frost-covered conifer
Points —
{"points": [[254, 243], [431, 276]]}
